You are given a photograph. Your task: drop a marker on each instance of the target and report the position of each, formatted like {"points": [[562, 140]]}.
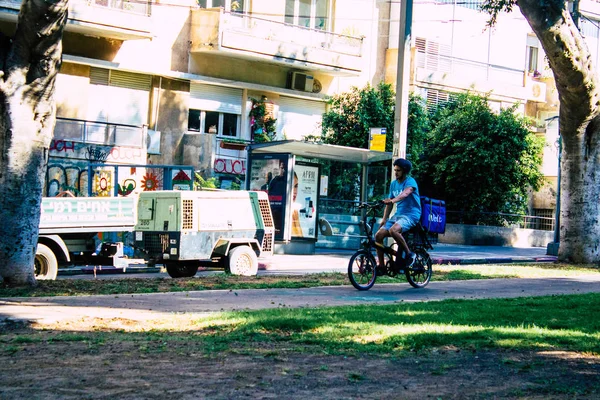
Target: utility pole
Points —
{"points": [[402, 79]]}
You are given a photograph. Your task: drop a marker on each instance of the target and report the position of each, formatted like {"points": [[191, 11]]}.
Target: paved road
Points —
{"points": [[160, 305]]}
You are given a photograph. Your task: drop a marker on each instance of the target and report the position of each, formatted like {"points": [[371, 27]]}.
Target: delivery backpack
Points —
{"points": [[433, 215]]}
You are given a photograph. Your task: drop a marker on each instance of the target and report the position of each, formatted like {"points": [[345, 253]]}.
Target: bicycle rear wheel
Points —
{"points": [[419, 274], [362, 270]]}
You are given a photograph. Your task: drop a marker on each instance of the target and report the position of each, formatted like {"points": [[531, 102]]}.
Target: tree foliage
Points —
{"points": [[417, 129], [348, 122], [351, 114], [479, 160]]}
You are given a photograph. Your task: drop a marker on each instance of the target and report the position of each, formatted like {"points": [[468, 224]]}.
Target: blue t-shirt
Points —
{"points": [[410, 206]]}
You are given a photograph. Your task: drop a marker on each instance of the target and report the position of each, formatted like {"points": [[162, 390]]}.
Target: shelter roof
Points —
{"points": [[323, 151]]}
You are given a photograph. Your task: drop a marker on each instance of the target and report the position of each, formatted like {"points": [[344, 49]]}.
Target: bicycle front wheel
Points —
{"points": [[419, 274], [362, 270]]}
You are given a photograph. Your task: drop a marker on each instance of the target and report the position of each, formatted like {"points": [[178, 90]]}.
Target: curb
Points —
{"points": [[266, 265], [474, 261], [106, 269]]}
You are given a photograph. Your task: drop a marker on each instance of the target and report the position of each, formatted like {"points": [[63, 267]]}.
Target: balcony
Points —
{"points": [[114, 19], [244, 36], [467, 74], [99, 133]]}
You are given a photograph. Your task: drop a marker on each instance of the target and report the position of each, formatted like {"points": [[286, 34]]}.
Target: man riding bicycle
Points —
{"points": [[404, 192]]}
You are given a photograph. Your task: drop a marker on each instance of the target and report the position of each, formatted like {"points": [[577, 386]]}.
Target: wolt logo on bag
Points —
{"points": [[433, 215]]}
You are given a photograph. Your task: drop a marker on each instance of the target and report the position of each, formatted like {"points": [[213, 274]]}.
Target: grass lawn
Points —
{"points": [[536, 323]]}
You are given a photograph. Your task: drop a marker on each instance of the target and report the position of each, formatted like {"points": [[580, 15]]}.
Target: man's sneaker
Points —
{"points": [[410, 259]]}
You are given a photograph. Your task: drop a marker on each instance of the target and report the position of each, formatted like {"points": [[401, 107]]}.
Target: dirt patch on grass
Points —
{"points": [[118, 363]]}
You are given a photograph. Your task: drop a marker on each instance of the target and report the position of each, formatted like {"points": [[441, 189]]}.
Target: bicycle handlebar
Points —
{"points": [[372, 205]]}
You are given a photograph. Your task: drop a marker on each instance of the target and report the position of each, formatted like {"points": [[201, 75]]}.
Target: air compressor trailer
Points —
{"points": [[184, 230]]}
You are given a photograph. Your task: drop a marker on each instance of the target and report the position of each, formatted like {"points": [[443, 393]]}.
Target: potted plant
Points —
{"points": [[262, 123]]}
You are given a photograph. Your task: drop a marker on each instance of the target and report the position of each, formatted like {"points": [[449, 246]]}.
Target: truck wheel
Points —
{"points": [[243, 261], [181, 270], [46, 265]]}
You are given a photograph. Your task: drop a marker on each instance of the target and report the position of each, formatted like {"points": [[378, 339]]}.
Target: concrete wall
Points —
{"points": [[348, 234], [495, 236]]}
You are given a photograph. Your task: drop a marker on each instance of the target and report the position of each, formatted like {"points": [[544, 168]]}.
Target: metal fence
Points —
{"points": [[349, 207], [332, 206], [500, 219]]}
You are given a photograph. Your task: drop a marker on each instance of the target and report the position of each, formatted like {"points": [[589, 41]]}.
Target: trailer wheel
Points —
{"points": [[243, 261], [46, 265], [181, 270]]}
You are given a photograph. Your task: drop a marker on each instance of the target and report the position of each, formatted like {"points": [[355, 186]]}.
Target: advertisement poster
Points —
{"points": [[305, 191], [270, 174]]}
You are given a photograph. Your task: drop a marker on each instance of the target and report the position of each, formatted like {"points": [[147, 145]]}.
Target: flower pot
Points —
{"points": [[232, 146]]}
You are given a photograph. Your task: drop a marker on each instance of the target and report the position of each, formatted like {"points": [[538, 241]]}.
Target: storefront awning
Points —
{"points": [[322, 151]]}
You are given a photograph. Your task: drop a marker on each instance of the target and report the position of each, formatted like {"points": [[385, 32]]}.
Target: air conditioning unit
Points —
{"points": [[536, 91], [302, 82]]}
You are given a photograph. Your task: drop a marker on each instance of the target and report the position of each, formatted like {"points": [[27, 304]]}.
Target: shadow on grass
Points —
{"points": [[538, 323]]}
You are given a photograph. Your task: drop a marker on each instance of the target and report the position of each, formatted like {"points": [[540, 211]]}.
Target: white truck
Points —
{"points": [[184, 230], [68, 226]]}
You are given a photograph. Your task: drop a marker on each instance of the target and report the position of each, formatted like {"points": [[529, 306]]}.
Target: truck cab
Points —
{"points": [[184, 230]]}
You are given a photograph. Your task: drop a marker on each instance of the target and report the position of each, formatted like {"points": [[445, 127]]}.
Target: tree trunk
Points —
{"points": [[578, 90], [27, 116]]}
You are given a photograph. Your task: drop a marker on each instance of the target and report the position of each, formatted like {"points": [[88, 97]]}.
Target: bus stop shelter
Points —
{"points": [[295, 184]]}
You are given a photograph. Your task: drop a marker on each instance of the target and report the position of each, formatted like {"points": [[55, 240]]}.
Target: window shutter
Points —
{"points": [[98, 76], [215, 98], [298, 118], [130, 81]]}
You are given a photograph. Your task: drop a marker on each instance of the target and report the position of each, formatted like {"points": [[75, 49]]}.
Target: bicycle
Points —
{"points": [[363, 269]]}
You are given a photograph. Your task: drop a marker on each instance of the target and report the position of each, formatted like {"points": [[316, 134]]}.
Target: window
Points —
{"points": [[312, 14], [222, 124], [229, 125], [230, 5], [211, 122], [194, 120], [532, 59]]}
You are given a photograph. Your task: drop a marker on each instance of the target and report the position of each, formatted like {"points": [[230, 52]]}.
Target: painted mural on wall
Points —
{"points": [[113, 171], [61, 177], [113, 180]]}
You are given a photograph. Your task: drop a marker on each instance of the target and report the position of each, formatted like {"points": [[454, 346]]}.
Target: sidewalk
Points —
{"points": [[337, 260], [168, 305]]}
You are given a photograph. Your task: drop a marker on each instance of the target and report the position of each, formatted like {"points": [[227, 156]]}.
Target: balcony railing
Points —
{"points": [[273, 30], [108, 134], [133, 6], [473, 70], [243, 35]]}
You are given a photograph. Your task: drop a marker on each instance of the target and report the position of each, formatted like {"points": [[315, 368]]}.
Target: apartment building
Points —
{"points": [[172, 82]]}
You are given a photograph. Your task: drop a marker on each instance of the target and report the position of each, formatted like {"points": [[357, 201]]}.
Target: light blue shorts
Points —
{"points": [[404, 222]]}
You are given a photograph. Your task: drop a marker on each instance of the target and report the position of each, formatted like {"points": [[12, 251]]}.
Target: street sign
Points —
{"points": [[377, 138]]}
